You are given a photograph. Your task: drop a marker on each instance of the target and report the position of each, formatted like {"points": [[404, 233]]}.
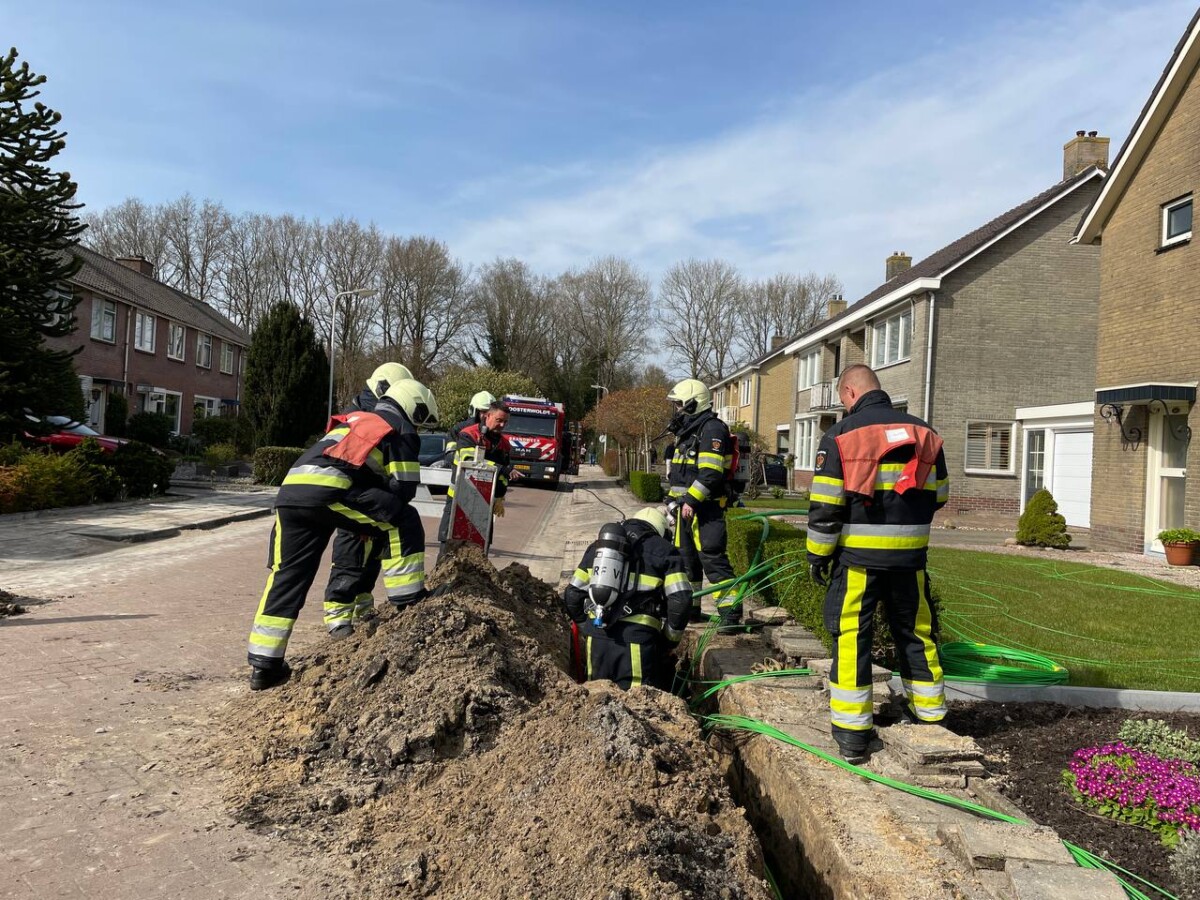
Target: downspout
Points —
{"points": [[757, 397], [129, 313], [929, 355]]}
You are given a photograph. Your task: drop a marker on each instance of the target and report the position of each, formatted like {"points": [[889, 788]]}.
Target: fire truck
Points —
{"points": [[537, 432]]}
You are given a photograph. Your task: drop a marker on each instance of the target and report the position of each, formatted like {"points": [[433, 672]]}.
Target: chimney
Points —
{"points": [[777, 341], [896, 263], [139, 264], [1083, 151], [837, 306]]}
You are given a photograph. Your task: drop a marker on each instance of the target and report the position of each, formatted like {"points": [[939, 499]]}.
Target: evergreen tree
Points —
{"points": [[287, 375], [37, 229]]}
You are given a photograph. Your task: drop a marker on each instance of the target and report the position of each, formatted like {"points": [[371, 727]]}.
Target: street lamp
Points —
{"points": [[357, 292]]}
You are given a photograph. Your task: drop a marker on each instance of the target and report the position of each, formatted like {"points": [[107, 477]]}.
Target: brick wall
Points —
{"points": [[1149, 320], [776, 403]]}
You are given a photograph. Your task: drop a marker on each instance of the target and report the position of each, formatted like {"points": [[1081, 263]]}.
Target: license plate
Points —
{"points": [[521, 467]]}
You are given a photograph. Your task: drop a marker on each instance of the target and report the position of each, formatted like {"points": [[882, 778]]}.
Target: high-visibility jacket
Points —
{"points": [[883, 522], [701, 462], [452, 438], [496, 450], [381, 485], [658, 593]]}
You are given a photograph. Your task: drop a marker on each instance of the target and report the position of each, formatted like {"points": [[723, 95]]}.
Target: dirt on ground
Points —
{"points": [[448, 754], [10, 604], [1028, 745]]}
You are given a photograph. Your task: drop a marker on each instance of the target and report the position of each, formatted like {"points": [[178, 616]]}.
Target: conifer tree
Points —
{"points": [[286, 379], [38, 226]]}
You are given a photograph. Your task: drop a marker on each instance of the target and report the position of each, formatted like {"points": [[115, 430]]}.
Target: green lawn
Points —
{"points": [[800, 504], [1110, 628]]}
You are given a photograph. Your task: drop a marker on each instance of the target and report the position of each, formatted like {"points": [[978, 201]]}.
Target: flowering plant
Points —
{"points": [[1137, 787]]}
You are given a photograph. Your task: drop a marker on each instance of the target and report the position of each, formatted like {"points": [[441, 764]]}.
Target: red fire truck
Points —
{"points": [[537, 431]]}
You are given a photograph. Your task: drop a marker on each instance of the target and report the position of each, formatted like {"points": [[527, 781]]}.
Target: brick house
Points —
{"points": [[997, 325], [162, 349], [759, 394], [1148, 348]]}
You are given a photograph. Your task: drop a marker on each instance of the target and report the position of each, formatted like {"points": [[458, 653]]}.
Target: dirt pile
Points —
{"points": [[449, 755], [9, 605]]}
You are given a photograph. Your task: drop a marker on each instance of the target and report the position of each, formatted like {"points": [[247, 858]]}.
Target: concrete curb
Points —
{"points": [[1068, 695], [141, 536]]}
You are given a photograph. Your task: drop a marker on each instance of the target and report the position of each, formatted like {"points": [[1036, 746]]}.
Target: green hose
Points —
{"points": [[990, 664]]}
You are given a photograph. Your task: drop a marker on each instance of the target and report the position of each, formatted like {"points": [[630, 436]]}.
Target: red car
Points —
{"points": [[69, 434]]}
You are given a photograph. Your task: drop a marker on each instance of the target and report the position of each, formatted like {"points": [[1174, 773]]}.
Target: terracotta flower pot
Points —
{"points": [[1179, 554]]}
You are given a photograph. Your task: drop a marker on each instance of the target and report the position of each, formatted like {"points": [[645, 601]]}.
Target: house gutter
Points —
{"points": [[125, 366], [929, 355]]}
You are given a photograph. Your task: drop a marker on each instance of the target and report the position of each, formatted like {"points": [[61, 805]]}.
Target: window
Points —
{"points": [[165, 402], [143, 338], [175, 333], [891, 339], [1035, 462], [205, 407], [745, 398], [810, 370], [204, 351], [226, 357], [783, 440], [1177, 221], [989, 447], [104, 320], [806, 443]]}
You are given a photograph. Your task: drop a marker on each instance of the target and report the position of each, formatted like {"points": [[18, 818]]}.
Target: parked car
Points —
{"points": [[774, 470], [433, 449], [67, 434]]}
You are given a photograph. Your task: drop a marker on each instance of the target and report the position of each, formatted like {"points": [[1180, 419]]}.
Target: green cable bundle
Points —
{"points": [[970, 661]]}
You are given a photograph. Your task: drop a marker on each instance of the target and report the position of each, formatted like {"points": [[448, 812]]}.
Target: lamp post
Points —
{"points": [[357, 292]]}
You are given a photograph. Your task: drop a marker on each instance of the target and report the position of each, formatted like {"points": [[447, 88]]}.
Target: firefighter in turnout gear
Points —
{"points": [[482, 442], [361, 476], [629, 598], [878, 478], [355, 564], [477, 406], [699, 488]]}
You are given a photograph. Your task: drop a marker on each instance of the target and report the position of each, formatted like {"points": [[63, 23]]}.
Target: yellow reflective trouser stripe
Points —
{"points": [[648, 582], [405, 575], [635, 662], [675, 579], [269, 634], [363, 604], [642, 619], [850, 713], [337, 613], [876, 542], [589, 656], [581, 578], [924, 629]]}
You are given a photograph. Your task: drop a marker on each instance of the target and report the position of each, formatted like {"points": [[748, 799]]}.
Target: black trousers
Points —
{"points": [[357, 560], [703, 542], [628, 655]]}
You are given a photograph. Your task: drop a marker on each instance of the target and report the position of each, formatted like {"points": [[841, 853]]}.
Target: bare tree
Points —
{"points": [[511, 310], [131, 228], [196, 239], [614, 316], [247, 282], [784, 306], [698, 302], [352, 261], [298, 263]]}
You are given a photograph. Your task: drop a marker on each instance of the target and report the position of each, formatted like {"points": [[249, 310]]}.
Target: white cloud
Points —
{"points": [[836, 180]]}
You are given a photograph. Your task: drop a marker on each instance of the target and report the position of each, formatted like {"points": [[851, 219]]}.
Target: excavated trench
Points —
{"points": [[448, 754]]}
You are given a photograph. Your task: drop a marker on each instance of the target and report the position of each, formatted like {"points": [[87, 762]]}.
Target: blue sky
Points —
{"points": [[779, 136]]}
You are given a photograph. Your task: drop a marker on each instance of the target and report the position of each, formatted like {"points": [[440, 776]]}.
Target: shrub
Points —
{"points": [[220, 455], [608, 462], [43, 481], [96, 469], [151, 428], [1140, 788], [116, 415], [778, 493], [143, 470], [1041, 525], [271, 464], [1159, 738], [12, 453], [1185, 865], [224, 430], [646, 486]]}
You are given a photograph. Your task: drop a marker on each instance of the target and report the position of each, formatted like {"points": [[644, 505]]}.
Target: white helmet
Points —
{"points": [[416, 400], [480, 402], [692, 396], [654, 518], [385, 376]]}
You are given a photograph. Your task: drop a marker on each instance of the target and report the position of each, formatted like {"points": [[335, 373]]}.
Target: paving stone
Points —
{"points": [[1046, 881], [930, 745], [997, 845], [769, 615]]}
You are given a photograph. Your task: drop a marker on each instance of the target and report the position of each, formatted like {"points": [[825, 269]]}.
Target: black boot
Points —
{"points": [[731, 619], [265, 679], [854, 746]]}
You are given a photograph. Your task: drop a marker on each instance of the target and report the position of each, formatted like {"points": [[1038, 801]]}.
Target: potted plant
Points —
{"points": [[1180, 545]]}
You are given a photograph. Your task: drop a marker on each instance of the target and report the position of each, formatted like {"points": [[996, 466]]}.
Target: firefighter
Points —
{"points": [[361, 476], [878, 478], [486, 436], [630, 641], [700, 471], [477, 406], [355, 563]]}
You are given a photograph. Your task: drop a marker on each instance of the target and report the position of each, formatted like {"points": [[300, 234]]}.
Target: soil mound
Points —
{"points": [[448, 754]]}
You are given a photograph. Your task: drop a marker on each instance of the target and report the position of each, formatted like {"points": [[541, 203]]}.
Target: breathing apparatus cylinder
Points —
{"points": [[610, 570]]}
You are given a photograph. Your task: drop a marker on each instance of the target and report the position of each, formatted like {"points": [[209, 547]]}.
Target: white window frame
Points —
{"points": [[993, 426], [176, 336], [881, 332], [211, 405], [744, 388], [203, 350], [159, 398], [144, 324], [808, 372], [226, 358], [783, 429], [804, 447], [1167, 209], [104, 312]]}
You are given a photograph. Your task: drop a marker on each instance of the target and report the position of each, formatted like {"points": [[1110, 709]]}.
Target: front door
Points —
{"points": [[1166, 476]]}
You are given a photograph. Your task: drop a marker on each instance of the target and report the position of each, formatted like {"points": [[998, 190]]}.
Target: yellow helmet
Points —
{"points": [[480, 402], [692, 396], [416, 400], [385, 376], [654, 517]]}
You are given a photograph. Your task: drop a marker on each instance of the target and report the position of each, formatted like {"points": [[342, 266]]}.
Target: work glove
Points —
{"points": [[821, 569], [498, 507]]}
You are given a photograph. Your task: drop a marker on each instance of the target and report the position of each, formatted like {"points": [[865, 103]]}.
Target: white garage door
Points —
{"points": [[1071, 480]]}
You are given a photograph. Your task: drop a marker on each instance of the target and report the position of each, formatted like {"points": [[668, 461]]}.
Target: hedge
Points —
{"points": [[38, 479], [794, 589], [646, 486], [271, 464]]}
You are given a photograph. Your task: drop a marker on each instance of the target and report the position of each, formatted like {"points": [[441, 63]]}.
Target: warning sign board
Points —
{"points": [[471, 505]]}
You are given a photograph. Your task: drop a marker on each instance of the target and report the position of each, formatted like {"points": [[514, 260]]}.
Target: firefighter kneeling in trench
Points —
{"points": [[629, 599]]}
